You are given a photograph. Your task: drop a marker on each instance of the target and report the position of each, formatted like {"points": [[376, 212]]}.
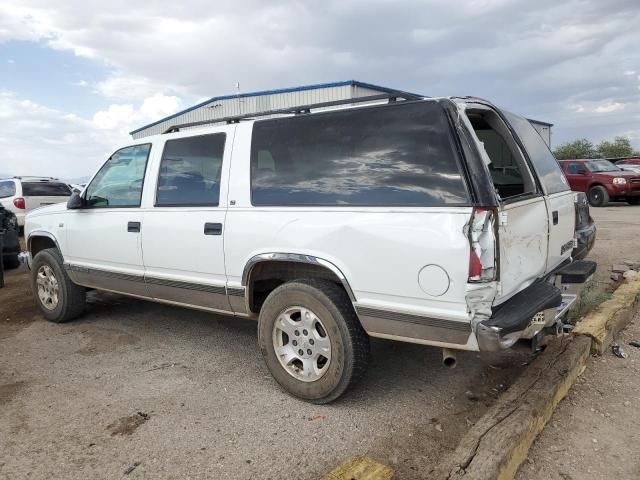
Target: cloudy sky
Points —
{"points": [[77, 76]]}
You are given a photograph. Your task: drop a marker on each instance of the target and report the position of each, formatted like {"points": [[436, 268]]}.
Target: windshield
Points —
{"points": [[601, 166]]}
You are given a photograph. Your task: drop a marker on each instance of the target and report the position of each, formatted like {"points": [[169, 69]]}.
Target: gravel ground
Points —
{"points": [[595, 432], [183, 394]]}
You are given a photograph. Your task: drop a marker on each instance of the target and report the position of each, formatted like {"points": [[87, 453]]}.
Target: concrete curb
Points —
{"points": [[609, 318]]}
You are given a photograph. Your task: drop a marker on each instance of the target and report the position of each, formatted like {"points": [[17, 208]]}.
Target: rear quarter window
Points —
{"points": [[7, 189], [400, 155], [544, 163], [45, 189]]}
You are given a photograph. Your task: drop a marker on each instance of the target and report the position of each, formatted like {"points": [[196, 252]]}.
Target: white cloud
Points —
{"points": [[80, 83], [609, 107], [606, 107], [37, 140], [122, 86]]}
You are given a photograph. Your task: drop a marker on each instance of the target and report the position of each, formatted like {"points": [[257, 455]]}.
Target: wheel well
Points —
{"points": [[40, 242], [596, 185], [268, 275]]}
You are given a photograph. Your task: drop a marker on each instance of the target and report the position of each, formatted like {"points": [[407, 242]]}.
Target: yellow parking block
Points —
{"points": [[360, 468]]}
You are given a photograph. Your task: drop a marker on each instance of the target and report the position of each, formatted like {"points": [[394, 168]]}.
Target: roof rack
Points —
{"points": [[392, 97], [20, 177]]}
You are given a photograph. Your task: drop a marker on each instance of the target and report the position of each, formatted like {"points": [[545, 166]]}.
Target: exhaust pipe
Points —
{"points": [[449, 358]]}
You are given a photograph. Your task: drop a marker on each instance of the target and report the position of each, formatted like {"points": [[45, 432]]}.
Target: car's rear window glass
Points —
{"points": [[401, 155], [45, 189], [574, 168], [190, 171], [544, 163], [7, 189]]}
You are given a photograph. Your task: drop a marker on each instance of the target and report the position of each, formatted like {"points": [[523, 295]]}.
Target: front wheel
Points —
{"points": [[311, 339], [58, 298], [598, 196], [633, 200]]}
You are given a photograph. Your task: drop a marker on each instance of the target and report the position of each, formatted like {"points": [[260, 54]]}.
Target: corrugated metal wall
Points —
{"points": [[544, 130], [260, 103]]}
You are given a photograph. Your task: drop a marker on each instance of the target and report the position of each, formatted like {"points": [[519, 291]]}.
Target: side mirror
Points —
{"points": [[75, 202], [582, 171]]}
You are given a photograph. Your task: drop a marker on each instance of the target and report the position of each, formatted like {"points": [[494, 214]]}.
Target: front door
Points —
{"points": [[578, 176], [105, 249], [183, 231]]}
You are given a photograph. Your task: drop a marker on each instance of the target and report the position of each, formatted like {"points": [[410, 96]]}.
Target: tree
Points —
{"points": [[580, 148], [620, 147]]}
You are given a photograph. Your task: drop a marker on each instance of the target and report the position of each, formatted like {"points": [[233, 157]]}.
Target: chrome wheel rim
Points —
{"points": [[48, 287], [302, 344]]}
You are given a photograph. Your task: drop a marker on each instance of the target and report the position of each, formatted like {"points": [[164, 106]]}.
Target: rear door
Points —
{"points": [[183, 229], [558, 196], [523, 225], [43, 193]]}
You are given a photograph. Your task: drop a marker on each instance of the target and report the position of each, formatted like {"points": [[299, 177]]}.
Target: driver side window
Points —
{"points": [[119, 181]]}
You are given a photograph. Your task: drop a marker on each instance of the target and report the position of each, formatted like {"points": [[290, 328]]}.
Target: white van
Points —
{"points": [[20, 195], [445, 222]]}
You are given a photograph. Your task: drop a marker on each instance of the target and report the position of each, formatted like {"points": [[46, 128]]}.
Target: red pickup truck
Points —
{"points": [[602, 181]]}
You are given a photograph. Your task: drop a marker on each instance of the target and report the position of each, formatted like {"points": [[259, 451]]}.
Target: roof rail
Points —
{"points": [[20, 177], [392, 97]]}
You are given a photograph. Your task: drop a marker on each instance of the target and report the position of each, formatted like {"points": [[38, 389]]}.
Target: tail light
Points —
{"points": [[19, 203], [482, 246]]}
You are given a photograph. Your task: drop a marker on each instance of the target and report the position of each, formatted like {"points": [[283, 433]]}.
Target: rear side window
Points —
{"points": [[574, 168], [544, 163], [45, 189], [401, 155], [7, 189], [190, 171]]}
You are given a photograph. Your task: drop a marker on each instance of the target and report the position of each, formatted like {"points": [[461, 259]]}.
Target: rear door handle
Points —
{"points": [[133, 227], [213, 229], [555, 217]]}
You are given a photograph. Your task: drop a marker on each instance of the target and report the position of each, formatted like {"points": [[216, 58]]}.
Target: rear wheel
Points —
{"points": [[598, 196], [311, 339], [633, 200], [58, 298]]}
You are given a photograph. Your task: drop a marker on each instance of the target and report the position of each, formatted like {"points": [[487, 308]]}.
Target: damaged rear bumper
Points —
{"points": [[541, 305]]}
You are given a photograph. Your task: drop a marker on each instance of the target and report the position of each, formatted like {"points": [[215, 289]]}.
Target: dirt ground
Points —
{"points": [[162, 392], [595, 432]]}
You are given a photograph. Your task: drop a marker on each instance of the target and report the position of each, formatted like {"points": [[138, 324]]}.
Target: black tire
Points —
{"points": [[11, 261], [349, 341], [598, 196], [633, 200], [71, 297]]}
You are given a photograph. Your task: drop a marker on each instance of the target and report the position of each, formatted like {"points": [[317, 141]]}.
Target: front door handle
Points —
{"points": [[133, 227], [213, 229], [554, 214]]}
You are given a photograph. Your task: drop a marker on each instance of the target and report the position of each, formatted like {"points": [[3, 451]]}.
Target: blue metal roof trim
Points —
{"points": [[540, 122], [273, 92]]}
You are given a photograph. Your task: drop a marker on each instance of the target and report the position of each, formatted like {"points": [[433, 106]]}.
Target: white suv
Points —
{"points": [[23, 194], [443, 222]]}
